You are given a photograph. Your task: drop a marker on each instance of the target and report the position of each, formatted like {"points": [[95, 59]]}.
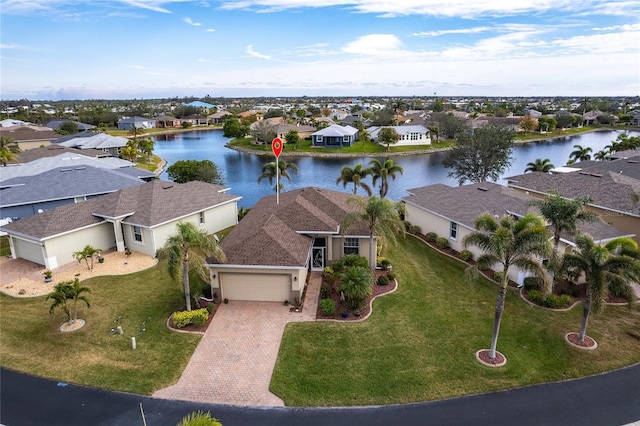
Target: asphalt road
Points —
{"points": [[607, 399]]}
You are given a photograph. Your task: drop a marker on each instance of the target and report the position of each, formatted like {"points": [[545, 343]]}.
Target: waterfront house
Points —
{"points": [[335, 136]]}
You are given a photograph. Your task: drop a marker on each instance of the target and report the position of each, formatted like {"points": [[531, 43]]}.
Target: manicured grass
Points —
{"points": [[150, 164], [420, 342], [5, 248], [31, 341], [558, 133]]}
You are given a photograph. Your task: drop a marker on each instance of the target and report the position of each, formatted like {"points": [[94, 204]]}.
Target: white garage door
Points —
{"points": [[256, 287], [28, 250]]}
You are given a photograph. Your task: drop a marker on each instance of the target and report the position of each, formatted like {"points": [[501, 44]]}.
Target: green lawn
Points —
{"points": [[5, 248], [420, 342], [32, 343]]}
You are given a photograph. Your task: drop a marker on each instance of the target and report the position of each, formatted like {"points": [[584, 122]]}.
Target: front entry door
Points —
{"points": [[317, 261]]}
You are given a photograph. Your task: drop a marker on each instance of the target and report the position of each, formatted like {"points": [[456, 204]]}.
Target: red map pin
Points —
{"points": [[276, 147]]}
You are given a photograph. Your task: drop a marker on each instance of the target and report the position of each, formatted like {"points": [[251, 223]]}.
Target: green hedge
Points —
{"points": [[184, 318]]}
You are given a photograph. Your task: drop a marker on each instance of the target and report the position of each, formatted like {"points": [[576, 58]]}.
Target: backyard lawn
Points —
{"points": [[420, 342], [93, 356]]}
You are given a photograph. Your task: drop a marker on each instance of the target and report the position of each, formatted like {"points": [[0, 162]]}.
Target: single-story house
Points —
{"points": [[271, 251], [163, 121], [140, 219], [409, 135], [128, 123], [282, 129], [196, 120], [335, 136], [28, 137], [219, 117], [450, 212], [91, 140], [55, 150], [56, 123]]}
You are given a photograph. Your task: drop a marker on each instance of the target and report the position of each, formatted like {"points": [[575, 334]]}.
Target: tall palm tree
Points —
{"points": [[381, 218], [269, 171], [602, 269], [65, 291], [539, 165], [382, 171], [355, 176], [601, 155], [434, 132], [75, 293], [580, 153], [188, 249], [509, 242]]}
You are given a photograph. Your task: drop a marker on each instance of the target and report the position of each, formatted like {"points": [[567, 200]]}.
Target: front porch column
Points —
{"points": [[117, 231]]}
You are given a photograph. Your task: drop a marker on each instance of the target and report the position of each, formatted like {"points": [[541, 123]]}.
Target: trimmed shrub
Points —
{"points": [[384, 264], [184, 318], [383, 280], [536, 297], [466, 255], [532, 283], [431, 237], [328, 307], [391, 276], [325, 291], [415, 229], [348, 261], [329, 274], [555, 301], [211, 308], [442, 243]]}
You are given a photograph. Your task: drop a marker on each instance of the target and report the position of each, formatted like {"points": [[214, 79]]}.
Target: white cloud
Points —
{"points": [[474, 30], [190, 22], [210, 30], [374, 44], [9, 46], [255, 54]]}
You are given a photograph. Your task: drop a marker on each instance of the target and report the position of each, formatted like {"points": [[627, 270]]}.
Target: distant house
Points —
{"points": [[163, 121], [282, 129], [90, 140], [56, 149], [219, 117], [128, 123], [353, 119], [635, 120], [335, 136], [512, 123], [409, 135], [55, 124], [271, 251], [28, 137], [450, 212], [196, 120], [128, 218]]}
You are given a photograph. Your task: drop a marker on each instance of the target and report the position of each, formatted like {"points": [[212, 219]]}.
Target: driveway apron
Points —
{"points": [[234, 361]]}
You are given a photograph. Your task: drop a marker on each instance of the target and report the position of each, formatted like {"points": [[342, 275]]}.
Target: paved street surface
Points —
{"points": [[611, 399]]}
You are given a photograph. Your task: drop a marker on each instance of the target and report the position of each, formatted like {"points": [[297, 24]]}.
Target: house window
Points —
{"points": [[453, 231], [351, 246], [319, 138], [201, 217], [345, 139], [137, 234]]}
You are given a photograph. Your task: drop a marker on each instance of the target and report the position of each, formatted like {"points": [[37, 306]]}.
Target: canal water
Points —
{"points": [[241, 170]]}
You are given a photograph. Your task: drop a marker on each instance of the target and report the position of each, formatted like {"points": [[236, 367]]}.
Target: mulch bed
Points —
{"points": [[483, 355], [343, 306], [574, 339], [192, 327]]}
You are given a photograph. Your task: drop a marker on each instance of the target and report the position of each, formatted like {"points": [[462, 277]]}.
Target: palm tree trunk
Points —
{"points": [[372, 261], [502, 293], [586, 309], [185, 280]]}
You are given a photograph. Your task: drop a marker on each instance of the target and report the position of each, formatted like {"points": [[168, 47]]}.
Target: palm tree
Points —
{"points": [[580, 153], [130, 152], [383, 171], [186, 250], [269, 171], [355, 176], [356, 283], [434, 133], [601, 155], [87, 254], [59, 297], [509, 242], [602, 269], [8, 150], [381, 218], [539, 165], [75, 293], [146, 145]]}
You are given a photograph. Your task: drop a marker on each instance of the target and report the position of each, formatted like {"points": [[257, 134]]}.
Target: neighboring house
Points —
{"points": [[55, 124], [74, 160], [610, 184], [140, 218], [417, 117], [25, 196], [635, 114], [29, 137], [219, 117], [590, 118], [128, 123], [335, 136], [353, 119], [196, 120], [272, 249], [55, 149], [90, 140], [163, 121], [10, 122], [512, 123], [450, 212], [409, 135], [304, 132]]}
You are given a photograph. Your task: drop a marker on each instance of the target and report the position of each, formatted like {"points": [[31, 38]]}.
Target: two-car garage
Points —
{"points": [[255, 286]]}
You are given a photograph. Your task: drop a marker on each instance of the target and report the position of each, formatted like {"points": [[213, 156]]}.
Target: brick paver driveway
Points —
{"points": [[234, 360]]}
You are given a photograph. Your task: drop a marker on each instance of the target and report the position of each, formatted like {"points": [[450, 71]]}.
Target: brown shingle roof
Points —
{"points": [[272, 234]]}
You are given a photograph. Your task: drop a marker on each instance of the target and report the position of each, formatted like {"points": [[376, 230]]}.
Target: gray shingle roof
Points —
{"points": [[96, 141], [463, 204], [55, 149], [272, 234], [336, 130]]}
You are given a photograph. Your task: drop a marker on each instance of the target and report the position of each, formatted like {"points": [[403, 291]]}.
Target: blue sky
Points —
{"points": [[80, 49]]}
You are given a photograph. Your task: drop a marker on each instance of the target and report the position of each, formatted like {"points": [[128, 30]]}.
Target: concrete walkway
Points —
{"points": [[234, 361]]}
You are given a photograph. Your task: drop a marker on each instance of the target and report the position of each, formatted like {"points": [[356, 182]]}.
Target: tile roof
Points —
{"points": [[463, 204], [147, 205], [273, 234]]}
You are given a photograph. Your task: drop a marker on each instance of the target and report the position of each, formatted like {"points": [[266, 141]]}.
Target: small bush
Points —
{"points": [[536, 297], [407, 225], [555, 301], [532, 283], [384, 264], [325, 291], [328, 272], [391, 276], [442, 243], [328, 307], [431, 237], [211, 308], [383, 280], [184, 318], [348, 261], [415, 229], [466, 255], [498, 276]]}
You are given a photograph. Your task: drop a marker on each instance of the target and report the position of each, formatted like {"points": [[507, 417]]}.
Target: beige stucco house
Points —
{"points": [[450, 212], [271, 251], [138, 218]]}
